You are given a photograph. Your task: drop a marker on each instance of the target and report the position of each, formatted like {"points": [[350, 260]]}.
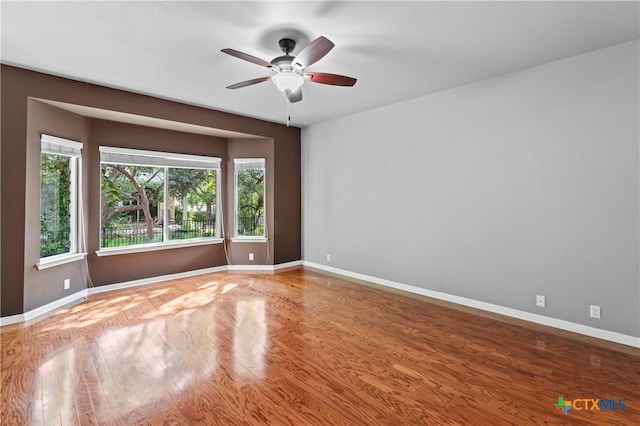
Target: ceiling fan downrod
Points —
{"points": [[287, 45]]}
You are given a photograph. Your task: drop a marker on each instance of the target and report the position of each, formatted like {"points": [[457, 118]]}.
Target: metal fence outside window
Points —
{"points": [[127, 234], [249, 226]]}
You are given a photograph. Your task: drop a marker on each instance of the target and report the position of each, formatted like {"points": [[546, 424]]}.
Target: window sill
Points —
{"points": [[112, 251], [50, 262], [249, 240]]}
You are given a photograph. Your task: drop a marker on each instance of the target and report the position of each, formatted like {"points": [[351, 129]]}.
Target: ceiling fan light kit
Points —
{"points": [[287, 80], [289, 72]]}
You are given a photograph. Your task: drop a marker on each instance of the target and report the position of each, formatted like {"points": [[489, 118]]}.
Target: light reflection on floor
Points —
{"points": [[135, 365], [55, 380], [250, 337]]}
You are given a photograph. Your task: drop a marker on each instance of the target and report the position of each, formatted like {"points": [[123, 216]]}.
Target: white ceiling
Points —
{"points": [[397, 50]]}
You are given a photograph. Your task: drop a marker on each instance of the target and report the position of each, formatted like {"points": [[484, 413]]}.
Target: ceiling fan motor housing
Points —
{"points": [[284, 62]]}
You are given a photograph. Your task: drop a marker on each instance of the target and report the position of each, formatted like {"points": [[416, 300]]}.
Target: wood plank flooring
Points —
{"points": [[300, 347]]}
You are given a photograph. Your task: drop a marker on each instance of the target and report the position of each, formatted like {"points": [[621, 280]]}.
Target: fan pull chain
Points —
{"points": [[286, 98]]}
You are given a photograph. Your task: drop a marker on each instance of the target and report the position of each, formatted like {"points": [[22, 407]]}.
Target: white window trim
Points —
{"points": [[212, 163], [47, 145], [248, 238], [75, 170], [141, 248], [60, 259], [47, 140], [163, 158]]}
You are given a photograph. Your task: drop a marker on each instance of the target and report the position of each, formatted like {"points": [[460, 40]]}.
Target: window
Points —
{"points": [[250, 197], [157, 198], [59, 177]]}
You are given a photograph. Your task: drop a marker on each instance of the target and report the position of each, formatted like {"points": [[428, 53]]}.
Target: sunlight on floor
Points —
{"points": [[157, 355], [142, 365], [91, 313], [188, 302]]}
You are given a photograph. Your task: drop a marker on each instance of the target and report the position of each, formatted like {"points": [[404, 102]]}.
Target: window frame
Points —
{"points": [[236, 162], [73, 150], [166, 161]]}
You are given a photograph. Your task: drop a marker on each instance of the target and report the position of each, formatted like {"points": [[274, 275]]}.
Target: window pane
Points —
{"points": [[192, 203], [250, 203], [131, 205], [55, 204]]}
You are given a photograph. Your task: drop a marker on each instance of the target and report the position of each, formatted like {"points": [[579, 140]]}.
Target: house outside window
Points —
{"points": [[250, 174], [156, 199]]}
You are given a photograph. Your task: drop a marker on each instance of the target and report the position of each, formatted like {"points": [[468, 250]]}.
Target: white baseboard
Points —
{"points": [[250, 267], [611, 336], [57, 304], [44, 309], [287, 265], [11, 319], [264, 267]]}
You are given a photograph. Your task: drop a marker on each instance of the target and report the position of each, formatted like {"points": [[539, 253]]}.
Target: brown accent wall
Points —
{"points": [[239, 250], [44, 286], [287, 205], [21, 286], [13, 104]]}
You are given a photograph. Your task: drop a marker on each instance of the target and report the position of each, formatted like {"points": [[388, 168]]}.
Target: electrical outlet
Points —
{"points": [[67, 284], [328, 257], [250, 256], [594, 311], [541, 301]]}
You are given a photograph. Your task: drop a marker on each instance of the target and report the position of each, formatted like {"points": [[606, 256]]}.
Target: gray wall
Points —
{"points": [[496, 191]]}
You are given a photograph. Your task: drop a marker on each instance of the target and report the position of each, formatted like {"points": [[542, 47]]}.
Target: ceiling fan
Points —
{"points": [[289, 72]]}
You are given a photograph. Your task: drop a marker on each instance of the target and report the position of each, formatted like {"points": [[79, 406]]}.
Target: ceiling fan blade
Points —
{"points": [[294, 96], [332, 79], [313, 52], [247, 57], [248, 82]]}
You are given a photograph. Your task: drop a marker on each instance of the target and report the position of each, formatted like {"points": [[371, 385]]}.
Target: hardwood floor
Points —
{"points": [[301, 347]]}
